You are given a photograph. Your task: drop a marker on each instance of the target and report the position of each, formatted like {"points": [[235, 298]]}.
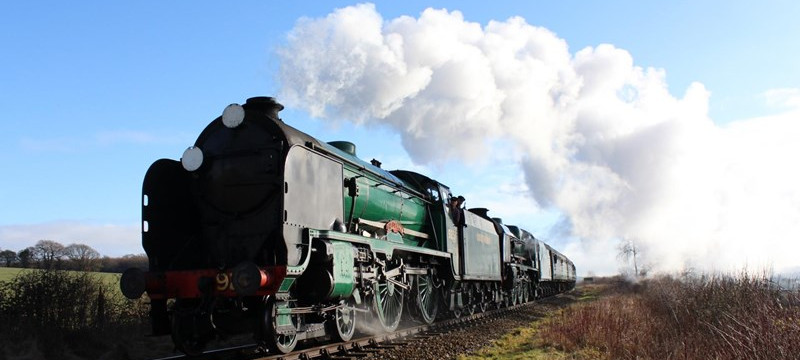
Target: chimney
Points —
{"points": [[265, 105]]}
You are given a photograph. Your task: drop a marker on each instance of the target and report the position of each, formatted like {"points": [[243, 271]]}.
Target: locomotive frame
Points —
{"points": [[264, 229]]}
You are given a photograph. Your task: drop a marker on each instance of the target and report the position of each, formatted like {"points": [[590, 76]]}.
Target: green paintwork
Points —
{"points": [[379, 201], [343, 278], [286, 284], [381, 196], [345, 146], [283, 318], [377, 245], [283, 309], [395, 238]]}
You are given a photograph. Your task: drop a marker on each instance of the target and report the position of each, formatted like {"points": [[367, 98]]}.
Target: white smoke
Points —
{"points": [[597, 137], [107, 239]]}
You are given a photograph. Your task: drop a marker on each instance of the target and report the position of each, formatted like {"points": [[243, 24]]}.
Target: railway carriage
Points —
{"points": [[264, 229]]}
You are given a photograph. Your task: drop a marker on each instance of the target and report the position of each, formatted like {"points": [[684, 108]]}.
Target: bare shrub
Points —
{"points": [[707, 317]]}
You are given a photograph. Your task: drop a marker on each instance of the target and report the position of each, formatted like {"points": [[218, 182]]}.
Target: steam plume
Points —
{"points": [[598, 138]]}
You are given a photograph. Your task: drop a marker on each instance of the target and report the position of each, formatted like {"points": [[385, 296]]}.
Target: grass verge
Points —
{"points": [[703, 317]]}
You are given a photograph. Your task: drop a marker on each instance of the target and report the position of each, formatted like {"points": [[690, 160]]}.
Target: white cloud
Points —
{"points": [[783, 98], [600, 139], [107, 239]]}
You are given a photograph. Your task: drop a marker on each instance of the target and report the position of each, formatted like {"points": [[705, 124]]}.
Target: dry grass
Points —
{"points": [[708, 317]]}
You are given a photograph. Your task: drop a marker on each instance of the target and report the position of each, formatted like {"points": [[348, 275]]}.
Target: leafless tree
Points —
{"points": [[49, 253], [632, 251], [82, 256], [120, 264]]}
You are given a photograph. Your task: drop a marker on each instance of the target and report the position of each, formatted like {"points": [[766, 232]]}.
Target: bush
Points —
{"points": [[54, 307], [708, 317]]}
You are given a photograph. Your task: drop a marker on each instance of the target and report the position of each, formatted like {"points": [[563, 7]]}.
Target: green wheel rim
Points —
{"points": [[280, 343], [345, 321], [388, 303], [427, 298]]}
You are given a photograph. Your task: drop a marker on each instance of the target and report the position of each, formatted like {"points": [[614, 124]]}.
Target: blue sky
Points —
{"points": [[93, 92]]}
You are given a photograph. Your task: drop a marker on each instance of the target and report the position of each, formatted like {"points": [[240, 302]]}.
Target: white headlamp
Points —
{"points": [[233, 115], [192, 158]]}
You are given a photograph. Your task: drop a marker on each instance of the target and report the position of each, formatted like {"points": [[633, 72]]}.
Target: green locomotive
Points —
{"points": [[264, 229]]}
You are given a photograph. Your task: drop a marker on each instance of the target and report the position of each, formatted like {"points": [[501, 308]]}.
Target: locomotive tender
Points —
{"points": [[262, 228]]}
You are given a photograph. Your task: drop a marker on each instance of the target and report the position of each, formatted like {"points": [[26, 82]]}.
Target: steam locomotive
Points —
{"points": [[263, 229]]}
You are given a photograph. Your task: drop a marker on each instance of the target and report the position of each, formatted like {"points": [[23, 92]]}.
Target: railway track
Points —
{"points": [[363, 347]]}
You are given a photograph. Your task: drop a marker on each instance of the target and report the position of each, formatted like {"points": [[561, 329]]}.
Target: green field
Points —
{"points": [[6, 274], [9, 273]]}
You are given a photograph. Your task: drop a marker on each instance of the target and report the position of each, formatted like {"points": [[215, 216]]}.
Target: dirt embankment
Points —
{"points": [[469, 340]]}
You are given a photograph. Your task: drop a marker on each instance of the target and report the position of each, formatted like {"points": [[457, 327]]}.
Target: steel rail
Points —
{"points": [[361, 347]]}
